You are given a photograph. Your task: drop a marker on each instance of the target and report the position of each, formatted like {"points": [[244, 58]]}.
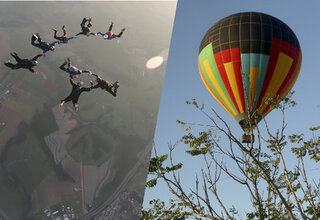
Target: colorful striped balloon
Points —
{"points": [[252, 53]]}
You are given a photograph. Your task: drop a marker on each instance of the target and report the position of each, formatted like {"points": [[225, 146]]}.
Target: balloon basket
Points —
{"points": [[246, 138]]}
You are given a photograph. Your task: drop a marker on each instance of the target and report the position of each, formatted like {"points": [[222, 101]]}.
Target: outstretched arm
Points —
{"points": [[96, 75], [94, 86], [36, 57], [55, 42], [100, 33], [73, 37], [33, 39], [62, 67], [85, 89], [15, 56], [32, 70], [110, 27], [72, 82]]}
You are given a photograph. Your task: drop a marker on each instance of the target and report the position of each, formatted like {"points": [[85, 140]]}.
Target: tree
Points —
{"points": [[276, 190]]}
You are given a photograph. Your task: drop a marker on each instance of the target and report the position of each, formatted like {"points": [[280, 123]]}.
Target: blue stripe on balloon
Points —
{"points": [[253, 60], [263, 65]]}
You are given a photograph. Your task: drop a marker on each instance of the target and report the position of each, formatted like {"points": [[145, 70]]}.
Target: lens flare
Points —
{"points": [[154, 62]]}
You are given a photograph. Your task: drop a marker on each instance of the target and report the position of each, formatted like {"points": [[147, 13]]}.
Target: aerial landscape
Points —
{"points": [[57, 161]]}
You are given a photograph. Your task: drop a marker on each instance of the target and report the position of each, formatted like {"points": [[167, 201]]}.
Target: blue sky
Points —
{"points": [[182, 81]]}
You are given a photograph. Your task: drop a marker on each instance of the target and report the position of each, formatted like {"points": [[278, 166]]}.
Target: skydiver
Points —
{"points": [[110, 35], [104, 84], [72, 70], [44, 46], [23, 63], [64, 38], [86, 30], [77, 89]]}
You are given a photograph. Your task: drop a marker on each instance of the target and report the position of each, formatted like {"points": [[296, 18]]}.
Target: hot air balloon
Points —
{"points": [[246, 58]]}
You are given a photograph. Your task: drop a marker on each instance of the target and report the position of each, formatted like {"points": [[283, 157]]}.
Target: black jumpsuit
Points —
{"points": [[75, 93], [22, 63]]}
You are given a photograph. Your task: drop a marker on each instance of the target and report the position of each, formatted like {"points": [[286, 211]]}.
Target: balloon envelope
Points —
{"points": [[247, 57]]}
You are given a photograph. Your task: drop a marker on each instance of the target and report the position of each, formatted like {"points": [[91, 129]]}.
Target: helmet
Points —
{"points": [[80, 83], [52, 48], [34, 62]]}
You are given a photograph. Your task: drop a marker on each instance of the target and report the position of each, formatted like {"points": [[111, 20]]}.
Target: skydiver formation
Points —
{"points": [[74, 72]]}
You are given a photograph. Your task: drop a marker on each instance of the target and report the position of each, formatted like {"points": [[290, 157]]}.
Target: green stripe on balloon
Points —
{"points": [[207, 54]]}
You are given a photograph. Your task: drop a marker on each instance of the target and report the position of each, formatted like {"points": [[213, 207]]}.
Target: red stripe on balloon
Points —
{"points": [[296, 55], [291, 51], [221, 58], [274, 53], [236, 61], [286, 86]]}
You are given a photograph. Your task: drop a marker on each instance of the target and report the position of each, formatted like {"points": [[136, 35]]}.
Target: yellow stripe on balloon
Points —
{"points": [[216, 85], [295, 77], [213, 93], [233, 83], [281, 70], [253, 83]]}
